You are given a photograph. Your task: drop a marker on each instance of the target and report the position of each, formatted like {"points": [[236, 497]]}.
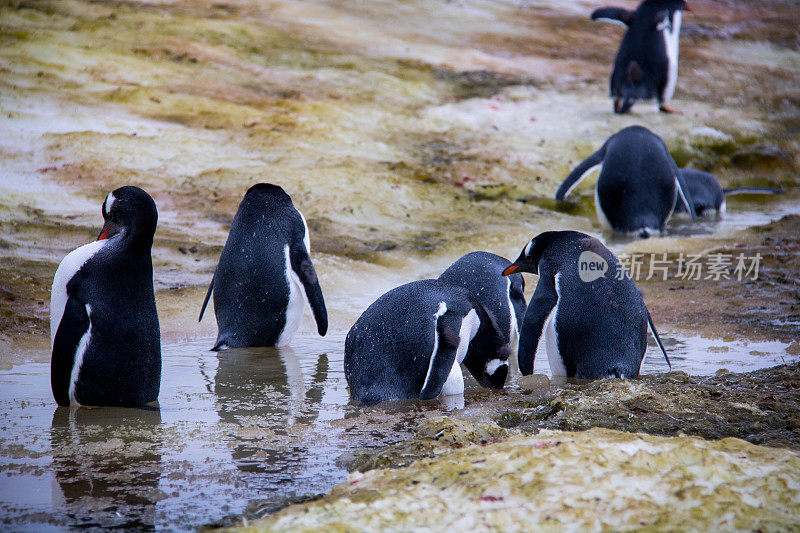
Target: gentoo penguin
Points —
{"points": [[265, 274], [103, 320], [410, 342], [646, 65], [589, 314], [638, 184], [479, 272], [708, 195]]}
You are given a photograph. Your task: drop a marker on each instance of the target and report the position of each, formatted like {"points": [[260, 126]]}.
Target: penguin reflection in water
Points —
{"points": [[592, 321], [411, 341], [646, 65], [639, 183], [265, 274], [103, 320]]}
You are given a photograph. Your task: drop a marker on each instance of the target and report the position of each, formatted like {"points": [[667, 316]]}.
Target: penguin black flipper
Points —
{"points": [[304, 268], [441, 363], [654, 331], [72, 328], [208, 297], [544, 300], [617, 14], [579, 172]]}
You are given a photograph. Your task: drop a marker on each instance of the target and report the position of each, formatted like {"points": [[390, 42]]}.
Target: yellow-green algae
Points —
{"points": [[597, 480]]}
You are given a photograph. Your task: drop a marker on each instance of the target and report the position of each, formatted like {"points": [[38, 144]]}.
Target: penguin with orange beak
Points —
{"points": [[104, 325], [586, 309]]}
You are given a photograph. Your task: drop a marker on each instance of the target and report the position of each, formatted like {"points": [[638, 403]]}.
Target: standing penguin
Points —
{"points": [[586, 309], [265, 274], [479, 272], [638, 185], [708, 195], [410, 342], [103, 320], [646, 65]]}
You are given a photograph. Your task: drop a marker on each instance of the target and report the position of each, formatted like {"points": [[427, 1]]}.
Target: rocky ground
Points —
{"points": [[546, 463], [591, 480]]}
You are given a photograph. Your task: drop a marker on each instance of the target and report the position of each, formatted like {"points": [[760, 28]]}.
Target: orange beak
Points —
{"points": [[510, 270], [109, 230]]}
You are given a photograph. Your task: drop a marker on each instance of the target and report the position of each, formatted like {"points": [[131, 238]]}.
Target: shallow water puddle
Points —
{"points": [[240, 432]]}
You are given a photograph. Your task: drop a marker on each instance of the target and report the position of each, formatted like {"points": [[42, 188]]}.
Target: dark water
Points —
{"points": [[240, 432]]}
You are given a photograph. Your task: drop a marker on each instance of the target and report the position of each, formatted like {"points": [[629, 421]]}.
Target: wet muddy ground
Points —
{"points": [[408, 134]]}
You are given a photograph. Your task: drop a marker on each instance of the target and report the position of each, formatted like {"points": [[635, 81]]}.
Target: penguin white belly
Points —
{"points": [[455, 380], [68, 267], [294, 309], [557, 367], [469, 327], [601, 216], [671, 33], [77, 362], [513, 334]]}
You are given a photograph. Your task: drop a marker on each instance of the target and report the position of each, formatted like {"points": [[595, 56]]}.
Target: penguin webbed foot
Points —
{"points": [[623, 105], [667, 109]]}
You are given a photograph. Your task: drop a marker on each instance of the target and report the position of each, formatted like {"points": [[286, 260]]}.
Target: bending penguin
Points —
{"points": [[265, 274], [479, 272], [411, 341], [708, 195], [646, 65], [639, 182], [103, 320], [586, 310]]}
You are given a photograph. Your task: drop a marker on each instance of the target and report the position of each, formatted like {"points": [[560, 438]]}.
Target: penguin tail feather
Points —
{"points": [[220, 345]]}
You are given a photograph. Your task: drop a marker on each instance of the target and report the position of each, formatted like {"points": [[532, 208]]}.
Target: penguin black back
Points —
{"points": [[638, 184], [265, 273], [104, 323], [504, 298], [410, 342]]}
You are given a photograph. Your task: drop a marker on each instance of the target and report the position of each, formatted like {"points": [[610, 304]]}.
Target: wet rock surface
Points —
{"points": [[593, 480], [762, 407]]}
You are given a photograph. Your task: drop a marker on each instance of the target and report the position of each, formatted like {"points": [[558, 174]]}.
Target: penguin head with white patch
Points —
{"points": [[487, 356], [528, 260], [131, 215], [562, 248]]}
